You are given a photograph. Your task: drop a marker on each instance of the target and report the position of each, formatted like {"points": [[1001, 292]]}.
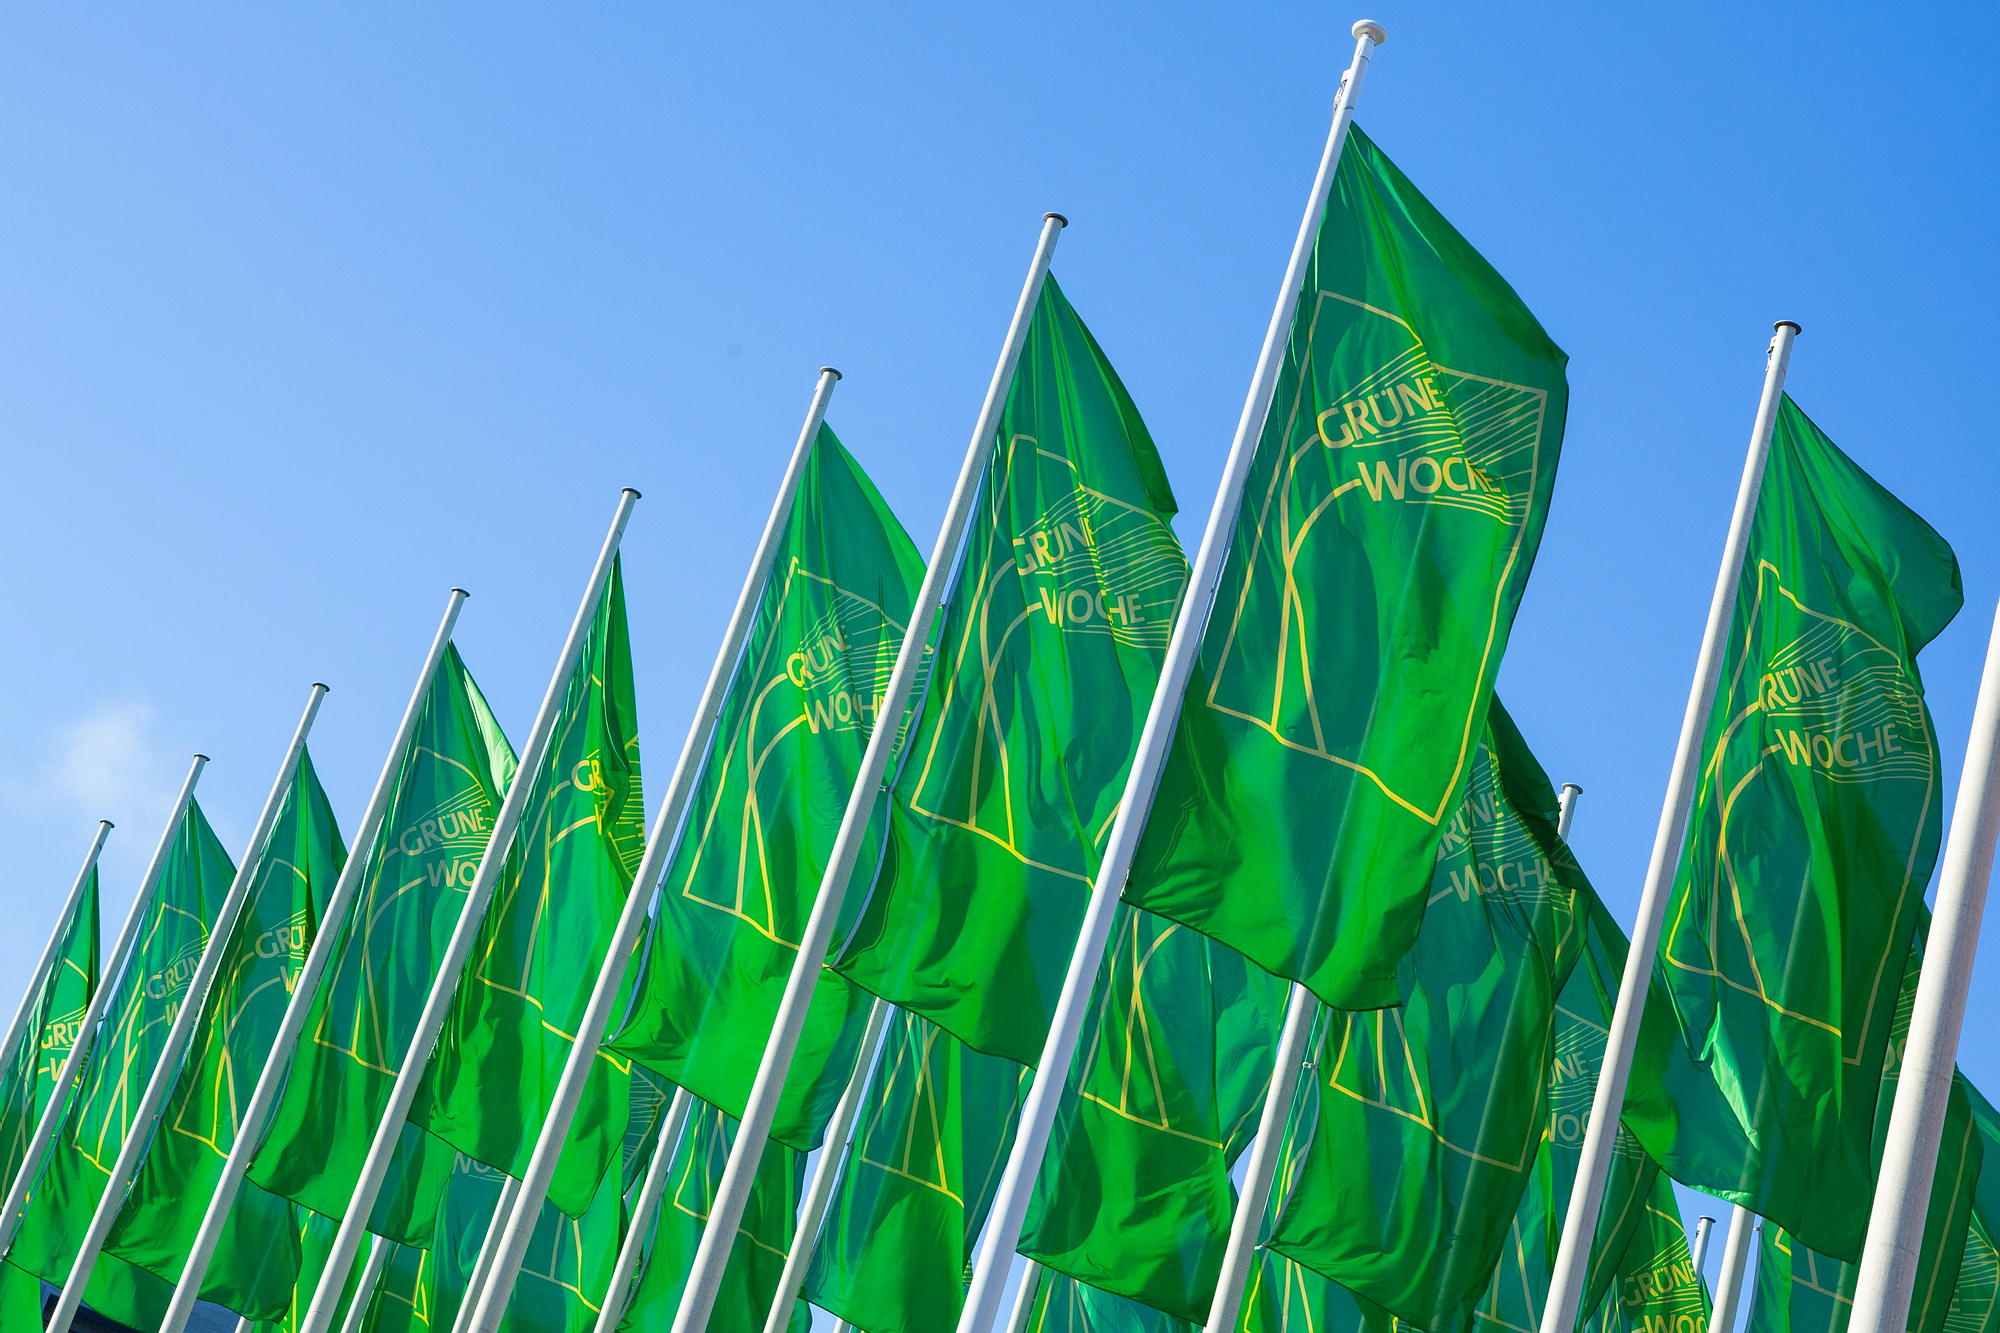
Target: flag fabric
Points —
{"points": [[1513, 1300], [918, 1180], [402, 1298], [254, 1268], [193, 883], [1391, 517], [521, 999], [787, 748], [49, 1029], [1975, 1298], [1046, 662], [1431, 1113], [1064, 1305], [312, 1236], [1814, 831], [1134, 1196], [763, 1237], [1657, 1289], [450, 782]]}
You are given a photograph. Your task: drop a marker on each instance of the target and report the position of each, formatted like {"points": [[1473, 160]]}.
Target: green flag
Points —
{"points": [[1657, 1288], [49, 1028], [1431, 1113], [1813, 833], [763, 1237], [919, 1178], [1975, 1298], [1513, 1299], [787, 747], [450, 782], [1391, 516], [312, 1237], [1134, 1196], [535, 963], [404, 1297], [163, 1212], [1045, 670], [1064, 1305], [192, 885]]}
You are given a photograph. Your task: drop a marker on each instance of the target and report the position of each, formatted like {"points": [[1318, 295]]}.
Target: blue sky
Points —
{"points": [[311, 314]]}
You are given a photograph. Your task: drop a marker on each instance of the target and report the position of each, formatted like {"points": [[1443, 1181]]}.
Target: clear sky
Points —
{"points": [[310, 314]]}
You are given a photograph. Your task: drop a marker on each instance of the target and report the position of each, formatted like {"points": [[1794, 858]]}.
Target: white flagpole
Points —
{"points": [[1735, 1263], [495, 1225], [444, 987], [1573, 1256], [1702, 1227], [250, 1125], [1010, 1204], [733, 1192], [833, 1152], [1923, 1089], [488, 1298], [72, 1068], [167, 1068], [64, 919], [371, 1278], [1024, 1296], [658, 1172]]}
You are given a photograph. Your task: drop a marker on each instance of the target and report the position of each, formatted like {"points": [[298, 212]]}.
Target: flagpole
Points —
{"points": [[733, 1193], [1024, 1297], [1923, 1089], [1702, 1227], [488, 1298], [371, 1277], [1265, 1154], [167, 1067], [250, 1125], [72, 1068], [64, 919], [496, 1226], [1573, 1256], [1010, 1204], [444, 987], [1735, 1262], [833, 1153], [612, 1311]]}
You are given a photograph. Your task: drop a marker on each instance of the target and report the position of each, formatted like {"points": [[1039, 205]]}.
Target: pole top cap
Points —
{"points": [[1058, 218], [829, 370], [1571, 786], [107, 823], [322, 685], [460, 591], [204, 758], [1788, 324], [1370, 29], [631, 491], [1706, 1218]]}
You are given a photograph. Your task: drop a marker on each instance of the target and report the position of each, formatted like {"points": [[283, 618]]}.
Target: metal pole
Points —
{"points": [[1923, 1088], [1265, 1154], [1566, 809], [502, 1209], [444, 986], [371, 1277], [650, 1192], [1024, 1297], [167, 1068], [32, 996], [1701, 1229], [488, 1298], [1573, 1255], [1735, 1262], [250, 1126], [733, 1192], [1010, 1204], [66, 1078], [833, 1152]]}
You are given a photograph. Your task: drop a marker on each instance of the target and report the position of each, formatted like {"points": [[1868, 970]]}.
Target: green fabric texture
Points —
{"points": [[932, 1139], [763, 1237], [312, 1237], [521, 999], [1385, 535], [1064, 1305], [193, 883], [1048, 654], [1431, 1113], [255, 1265], [450, 782], [1513, 1300], [49, 1030], [1657, 1289], [1975, 1299], [761, 824], [1134, 1196], [1814, 831]]}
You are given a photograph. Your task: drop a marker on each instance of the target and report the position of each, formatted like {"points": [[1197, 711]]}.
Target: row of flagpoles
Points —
{"points": [[333, 1136]]}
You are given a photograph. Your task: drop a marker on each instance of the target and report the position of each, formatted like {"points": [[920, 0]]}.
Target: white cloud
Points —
{"points": [[102, 765]]}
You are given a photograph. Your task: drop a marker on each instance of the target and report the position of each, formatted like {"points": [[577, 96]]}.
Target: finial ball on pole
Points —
{"points": [[1370, 29]]}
